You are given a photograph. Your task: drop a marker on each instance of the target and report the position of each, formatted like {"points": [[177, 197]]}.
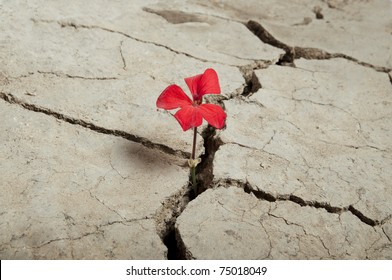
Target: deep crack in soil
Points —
{"points": [[204, 170], [295, 52], [11, 99], [166, 217], [260, 194]]}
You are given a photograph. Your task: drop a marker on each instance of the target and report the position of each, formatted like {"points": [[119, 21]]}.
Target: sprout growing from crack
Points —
{"points": [[192, 112]]}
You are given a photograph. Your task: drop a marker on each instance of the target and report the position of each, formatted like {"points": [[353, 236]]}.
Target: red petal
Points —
{"points": [[206, 83], [188, 117], [213, 114], [173, 97]]}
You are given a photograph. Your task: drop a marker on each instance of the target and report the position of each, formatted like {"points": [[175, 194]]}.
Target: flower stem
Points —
{"points": [[194, 142], [193, 168]]}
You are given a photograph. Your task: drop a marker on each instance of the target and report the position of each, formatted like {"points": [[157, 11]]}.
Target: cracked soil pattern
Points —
{"points": [[92, 170]]}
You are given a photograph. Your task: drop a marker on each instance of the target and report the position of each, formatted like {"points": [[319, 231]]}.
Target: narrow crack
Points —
{"points": [[103, 203], [60, 75], [11, 99], [260, 194], [122, 56], [125, 222], [355, 147], [97, 231], [74, 25], [64, 75], [387, 236], [295, 52]]}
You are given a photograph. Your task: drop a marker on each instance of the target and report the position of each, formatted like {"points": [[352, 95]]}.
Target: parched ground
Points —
{"points": [[90, 169]]}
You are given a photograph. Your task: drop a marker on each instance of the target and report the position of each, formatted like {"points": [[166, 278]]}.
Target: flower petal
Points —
{"points": [[213, 114], [206, 83], [173, 97], [189, 116]]}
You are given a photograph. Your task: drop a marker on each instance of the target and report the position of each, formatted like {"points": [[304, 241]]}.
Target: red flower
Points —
{"points": [[191, 114]]}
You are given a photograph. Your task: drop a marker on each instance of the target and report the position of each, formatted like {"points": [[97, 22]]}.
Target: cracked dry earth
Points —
{"points": [[90, 169]]}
